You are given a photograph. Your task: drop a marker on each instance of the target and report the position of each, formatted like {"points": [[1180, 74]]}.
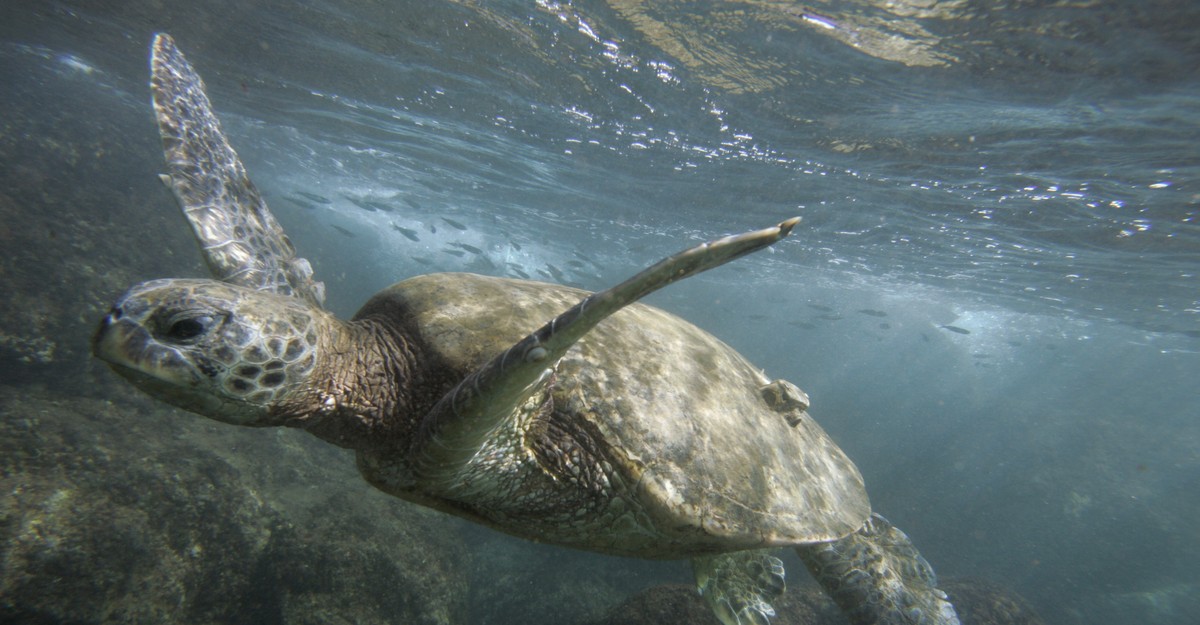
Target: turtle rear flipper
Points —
{"points": [[241, 241], [740, 586], [469, 416], [877, 577]]}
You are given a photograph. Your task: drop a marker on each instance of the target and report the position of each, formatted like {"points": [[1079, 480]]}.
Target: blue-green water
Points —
{"points": [[993, 299]]}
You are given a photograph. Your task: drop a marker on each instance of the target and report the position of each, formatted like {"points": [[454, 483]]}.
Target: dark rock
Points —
{"points": [[518, 582], [662, 605], [980, 602], [977, 602], [123, 513], [682, 605]]}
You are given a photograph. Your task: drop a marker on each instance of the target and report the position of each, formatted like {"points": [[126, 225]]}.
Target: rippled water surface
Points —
{"points": [[993, 299]]}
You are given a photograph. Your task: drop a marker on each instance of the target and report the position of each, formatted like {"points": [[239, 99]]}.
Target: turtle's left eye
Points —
{"points": [[187, 327]]}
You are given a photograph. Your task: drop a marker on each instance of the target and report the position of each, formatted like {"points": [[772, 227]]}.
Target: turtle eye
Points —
{"points": [[188, 327], [185, 329]]}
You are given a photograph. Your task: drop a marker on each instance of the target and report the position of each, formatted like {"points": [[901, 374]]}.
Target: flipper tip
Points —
{"points": [[162, 40], [785, 228]]}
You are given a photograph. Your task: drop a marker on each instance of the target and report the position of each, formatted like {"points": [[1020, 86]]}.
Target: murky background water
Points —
{"points": [[992, 300]]}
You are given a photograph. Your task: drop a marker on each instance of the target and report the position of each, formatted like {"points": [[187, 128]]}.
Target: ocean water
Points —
{"points": [[993, 299]]}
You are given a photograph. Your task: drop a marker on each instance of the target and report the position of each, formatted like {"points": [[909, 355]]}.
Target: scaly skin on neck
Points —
{"points": [[360, 395]]}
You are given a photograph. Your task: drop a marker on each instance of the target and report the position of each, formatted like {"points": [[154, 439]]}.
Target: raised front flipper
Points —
{"points": [[241, 241], [740, 586], [469, 416], [877, 577]]}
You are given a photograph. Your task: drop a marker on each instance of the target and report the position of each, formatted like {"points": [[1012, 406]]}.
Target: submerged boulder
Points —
{"points": [[978, 603], [123, 513], [680, 604], [981, 602]]}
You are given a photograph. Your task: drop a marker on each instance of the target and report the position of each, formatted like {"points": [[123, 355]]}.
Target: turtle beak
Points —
{"points": [[128, 347], [114, 336], [123, 344]]}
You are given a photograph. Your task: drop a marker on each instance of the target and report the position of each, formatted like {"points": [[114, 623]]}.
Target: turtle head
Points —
{"points": [[225, 351]]}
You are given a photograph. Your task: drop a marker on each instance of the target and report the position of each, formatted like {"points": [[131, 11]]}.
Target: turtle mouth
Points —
{"points": [[120, 342], [131, 352], [110, 338], [151, 384], [196, 401]]}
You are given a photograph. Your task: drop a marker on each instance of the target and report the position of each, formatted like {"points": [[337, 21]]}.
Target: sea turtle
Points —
{"points": [[613, 426]]}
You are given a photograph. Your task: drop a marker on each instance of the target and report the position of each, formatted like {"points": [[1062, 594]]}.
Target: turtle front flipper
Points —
{"points": [[877, 577], [241, 241], [740, 586], [471, 415]]}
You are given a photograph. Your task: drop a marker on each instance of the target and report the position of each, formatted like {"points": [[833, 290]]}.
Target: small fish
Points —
{"points": [[585, 259], [804, 325], [820, 308], [516, 246], [517, 271], [470, 248], [319, 199], [379, 206], [408, 232], [758, 317], [830, 316], [343, 230], [872, 312], [577, 264], [957, 330], [456, 253], [885, 326], [422, 260], [454, 224], [300, 203], [556, 272], [412, 203], [981, 356], [361, 204]]}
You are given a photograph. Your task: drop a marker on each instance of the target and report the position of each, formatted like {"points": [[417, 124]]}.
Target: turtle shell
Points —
{"points": [[681, 416]]}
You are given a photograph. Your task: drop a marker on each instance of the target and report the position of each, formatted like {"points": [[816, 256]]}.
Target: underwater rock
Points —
{"points": [[355, 570], [977, 603], [126, 512], [678, 604], [662, 605], [980, 602], [566, 602], [516, 582]]}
